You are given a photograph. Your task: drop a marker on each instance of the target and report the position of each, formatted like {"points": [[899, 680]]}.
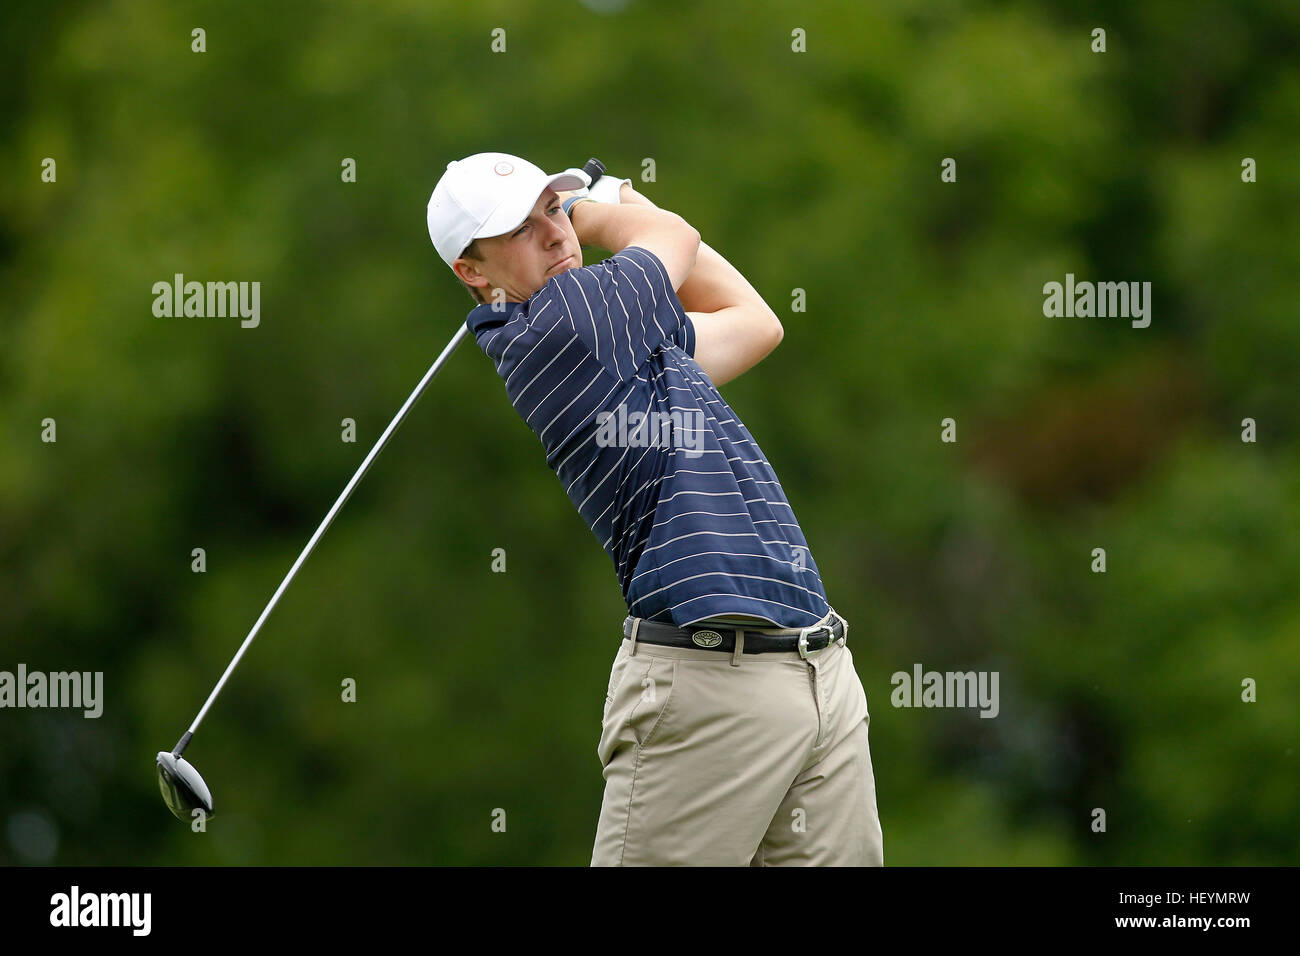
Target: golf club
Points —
{"points": [[183, 789]]}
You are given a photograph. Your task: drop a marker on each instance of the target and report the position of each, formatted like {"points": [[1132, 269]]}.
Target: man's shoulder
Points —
{"points": [[580, 289], [633, 258], [595, 282]]}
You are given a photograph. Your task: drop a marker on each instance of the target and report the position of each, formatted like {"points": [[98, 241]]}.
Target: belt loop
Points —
{"points": [[740, 648], [636, 624]]}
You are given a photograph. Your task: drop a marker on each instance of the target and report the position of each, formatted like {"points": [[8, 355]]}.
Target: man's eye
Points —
{"points": [[520, 230]]}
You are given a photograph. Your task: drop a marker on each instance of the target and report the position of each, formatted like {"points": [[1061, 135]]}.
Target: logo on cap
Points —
{"points": [[503, 169]]}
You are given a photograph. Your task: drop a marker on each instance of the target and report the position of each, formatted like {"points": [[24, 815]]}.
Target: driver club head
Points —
{"points": [[182, 788]]}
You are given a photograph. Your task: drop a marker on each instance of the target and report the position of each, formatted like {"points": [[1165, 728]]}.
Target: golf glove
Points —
{"points": [[607, 189]]}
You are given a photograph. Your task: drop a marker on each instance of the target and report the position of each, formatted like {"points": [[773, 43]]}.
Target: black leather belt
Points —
{"points": [[758, 640]]}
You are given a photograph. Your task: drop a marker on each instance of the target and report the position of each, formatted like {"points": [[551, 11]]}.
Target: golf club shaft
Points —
{"points": [[342, 499], [594, 170]]}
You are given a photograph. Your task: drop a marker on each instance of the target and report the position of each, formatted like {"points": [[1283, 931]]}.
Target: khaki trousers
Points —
{"points": [[721, 759]]}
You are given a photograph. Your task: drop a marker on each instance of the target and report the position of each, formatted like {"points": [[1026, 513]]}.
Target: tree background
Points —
{"points": [[816, 170]]}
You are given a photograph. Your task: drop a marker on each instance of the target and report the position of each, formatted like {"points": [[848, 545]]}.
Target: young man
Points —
{"points": [[735, 726]]}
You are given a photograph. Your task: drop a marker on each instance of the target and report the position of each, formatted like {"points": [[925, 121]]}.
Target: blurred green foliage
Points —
{"points": [[816, 170]]}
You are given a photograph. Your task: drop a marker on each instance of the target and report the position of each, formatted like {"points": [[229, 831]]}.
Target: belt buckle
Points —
{"points": [[803, 639]]}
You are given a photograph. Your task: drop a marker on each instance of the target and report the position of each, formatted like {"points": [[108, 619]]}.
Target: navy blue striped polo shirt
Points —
{"points": [[599, 364]]}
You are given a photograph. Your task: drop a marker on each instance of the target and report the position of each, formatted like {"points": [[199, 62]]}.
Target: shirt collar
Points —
{"points": [[484, 317]]}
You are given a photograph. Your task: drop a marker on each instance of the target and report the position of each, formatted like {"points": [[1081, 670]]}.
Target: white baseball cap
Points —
{"points": [[488, 194]]}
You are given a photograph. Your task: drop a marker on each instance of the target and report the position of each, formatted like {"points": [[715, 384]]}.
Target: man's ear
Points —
{"points": [[465, 271]]}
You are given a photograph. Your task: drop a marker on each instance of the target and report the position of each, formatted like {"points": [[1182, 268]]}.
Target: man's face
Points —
{"points": [[520, 262]]}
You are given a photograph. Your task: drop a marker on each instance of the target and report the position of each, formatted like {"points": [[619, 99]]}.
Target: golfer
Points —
{"points": [[735, 726]]}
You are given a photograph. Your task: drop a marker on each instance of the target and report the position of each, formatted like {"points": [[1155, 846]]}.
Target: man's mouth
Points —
{"points": [[560, 263]]}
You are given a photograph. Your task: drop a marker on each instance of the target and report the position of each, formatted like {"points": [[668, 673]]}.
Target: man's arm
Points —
{"points": [[672, 239], [734, 328], [731, 341]]}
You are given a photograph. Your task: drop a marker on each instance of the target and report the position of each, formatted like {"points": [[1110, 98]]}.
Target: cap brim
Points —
{"points": [[568, 181], [510, 215]]}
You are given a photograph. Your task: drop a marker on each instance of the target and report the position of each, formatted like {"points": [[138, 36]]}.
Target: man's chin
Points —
{"points": [[570, 263]]}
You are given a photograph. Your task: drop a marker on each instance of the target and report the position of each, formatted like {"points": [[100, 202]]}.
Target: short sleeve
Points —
{"points": [[624, 310]]}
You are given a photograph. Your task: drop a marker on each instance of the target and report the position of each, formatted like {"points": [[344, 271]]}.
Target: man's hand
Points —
{"points": [[608, 189]]}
